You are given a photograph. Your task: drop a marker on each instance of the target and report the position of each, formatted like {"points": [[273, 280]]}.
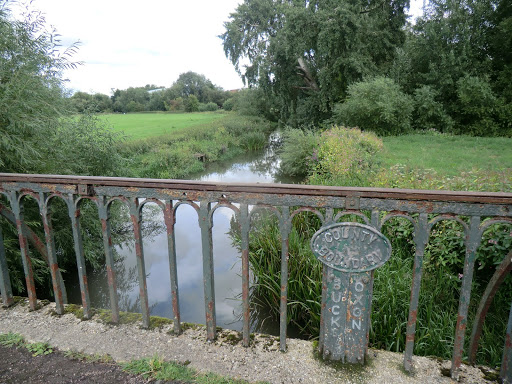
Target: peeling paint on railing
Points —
{"points": [[475, 211]]}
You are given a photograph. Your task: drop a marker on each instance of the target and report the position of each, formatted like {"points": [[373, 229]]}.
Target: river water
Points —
{"points": [[250, 168]]}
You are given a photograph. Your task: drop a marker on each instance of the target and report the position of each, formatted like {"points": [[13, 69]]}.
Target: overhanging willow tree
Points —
{"points": [[306, 53]]}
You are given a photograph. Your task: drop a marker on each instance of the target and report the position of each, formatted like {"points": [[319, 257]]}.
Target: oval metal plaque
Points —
{"points": [[351, 247]]}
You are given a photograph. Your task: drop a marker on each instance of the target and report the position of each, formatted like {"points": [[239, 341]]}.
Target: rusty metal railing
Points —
{"points": [[475, 211]]}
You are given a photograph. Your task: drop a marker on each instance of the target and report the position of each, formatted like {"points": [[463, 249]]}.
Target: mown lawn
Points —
{"points": [[447, 155], [144, 125]]}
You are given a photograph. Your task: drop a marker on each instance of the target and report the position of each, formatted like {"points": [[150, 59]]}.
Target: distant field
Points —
{"points": [[143, 125], [448, 155]]}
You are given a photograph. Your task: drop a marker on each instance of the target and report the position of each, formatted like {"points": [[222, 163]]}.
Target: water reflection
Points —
{"points": [[259, 167]]}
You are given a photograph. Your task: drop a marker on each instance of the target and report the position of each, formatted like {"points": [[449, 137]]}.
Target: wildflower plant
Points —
{"points": [[345, 155]]}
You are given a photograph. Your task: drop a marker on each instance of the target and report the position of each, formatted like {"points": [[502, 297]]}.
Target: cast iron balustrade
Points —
{"points": [[475, 211]]}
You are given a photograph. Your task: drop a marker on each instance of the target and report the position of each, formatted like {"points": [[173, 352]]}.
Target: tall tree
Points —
{"points": [[191, 83], [31, 101], [460, 49], [308, 52]]}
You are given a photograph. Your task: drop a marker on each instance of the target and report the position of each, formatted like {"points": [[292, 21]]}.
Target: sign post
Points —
{"points": [[350, 252]]}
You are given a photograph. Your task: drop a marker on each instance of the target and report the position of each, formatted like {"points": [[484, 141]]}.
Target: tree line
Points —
{"points": [[191, 92], [362, 63]]}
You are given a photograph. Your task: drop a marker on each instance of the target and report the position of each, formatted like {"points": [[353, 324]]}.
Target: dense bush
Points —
{"points": [[297, 152], [209, 107], [378, 105], [191, 104], [429, 114], [477, 107], [229, 104], [345, 156], [254, 102]]}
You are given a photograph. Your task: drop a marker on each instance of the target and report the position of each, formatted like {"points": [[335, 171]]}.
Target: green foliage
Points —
{"points": [[154, 98], [38, 349], [429, 114], [377, 105], [453, 49], [305, 54], [191, 104], [229, 104], [31, 102], [156, 368], [253, 141], [82, 102], [254, 102], [476, 107], [450, 155], [304, 287], [209, 107], [11, 340], [16, 340], [175, 155], [297, 151], [345, 156], [401, 176], [83, 146]]}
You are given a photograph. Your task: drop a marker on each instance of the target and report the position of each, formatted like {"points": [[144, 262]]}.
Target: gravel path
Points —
{"points": [[260, 362]]}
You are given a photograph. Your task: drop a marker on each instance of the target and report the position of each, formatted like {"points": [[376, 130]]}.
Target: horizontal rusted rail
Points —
{"points": [[264, 188], [474, 211]]}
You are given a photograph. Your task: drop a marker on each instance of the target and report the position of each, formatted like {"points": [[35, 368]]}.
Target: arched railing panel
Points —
{"points": [[475, 211]]}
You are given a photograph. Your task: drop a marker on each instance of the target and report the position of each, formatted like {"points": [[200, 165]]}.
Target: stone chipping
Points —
{"points": [[262, 361]]}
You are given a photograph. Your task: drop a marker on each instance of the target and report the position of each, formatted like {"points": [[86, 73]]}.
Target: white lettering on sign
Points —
{"points": [[356, 307], [351, 247], [335, 309]]}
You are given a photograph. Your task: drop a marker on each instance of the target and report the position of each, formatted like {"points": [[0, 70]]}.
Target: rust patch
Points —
{"points": [[110, 276], [413, 317]]}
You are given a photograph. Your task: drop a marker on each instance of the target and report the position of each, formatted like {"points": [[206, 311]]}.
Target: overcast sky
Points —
{"points": [[127, 43]]}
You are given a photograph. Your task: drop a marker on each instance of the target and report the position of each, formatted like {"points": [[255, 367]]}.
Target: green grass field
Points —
{"points": [[448, 155], [143, 125]]}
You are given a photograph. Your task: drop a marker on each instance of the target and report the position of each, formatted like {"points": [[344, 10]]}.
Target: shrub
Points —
{"points": [[477, 107], [378, 105], [211, 106], [253, 102], [191, 104], [298, 151], [430, 114], [345, 156], [228, 104]]}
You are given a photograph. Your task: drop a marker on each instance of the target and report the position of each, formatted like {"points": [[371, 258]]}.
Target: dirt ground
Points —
{"points": [[17, 365]]}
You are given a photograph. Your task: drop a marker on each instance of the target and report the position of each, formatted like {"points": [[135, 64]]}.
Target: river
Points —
{"points": [[254, 167]]}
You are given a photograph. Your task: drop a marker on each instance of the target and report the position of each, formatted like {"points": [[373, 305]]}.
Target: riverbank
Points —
{"points": [[262, 361], [176, 152]]}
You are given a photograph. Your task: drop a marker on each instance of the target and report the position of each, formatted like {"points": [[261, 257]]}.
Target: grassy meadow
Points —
{"points": [[170, 145], [138, 126], [446, 154]]}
